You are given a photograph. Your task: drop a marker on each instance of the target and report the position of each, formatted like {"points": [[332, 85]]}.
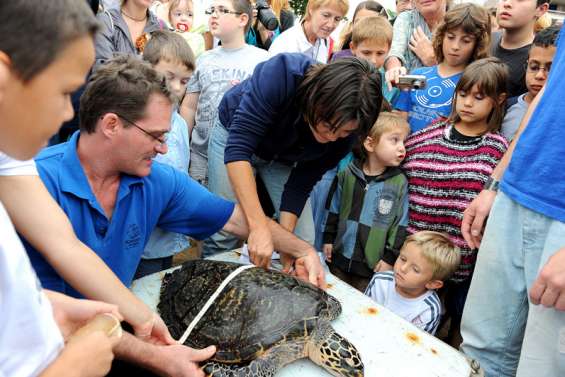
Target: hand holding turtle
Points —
{"points": [[309, 268], [328, 248], [154, 331], [182, 361], [260, 246]]}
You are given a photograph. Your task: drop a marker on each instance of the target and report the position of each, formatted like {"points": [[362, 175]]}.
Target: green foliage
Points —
{"points": [[299, 7]]}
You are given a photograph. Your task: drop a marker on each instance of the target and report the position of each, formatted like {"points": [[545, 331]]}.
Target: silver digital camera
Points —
{"points": [[407, 82]]}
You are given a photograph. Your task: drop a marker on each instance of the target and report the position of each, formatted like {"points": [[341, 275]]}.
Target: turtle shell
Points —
{"points": [[256, 310]]}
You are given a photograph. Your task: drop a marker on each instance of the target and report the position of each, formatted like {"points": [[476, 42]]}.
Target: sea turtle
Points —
{"points": [[260, 322]]}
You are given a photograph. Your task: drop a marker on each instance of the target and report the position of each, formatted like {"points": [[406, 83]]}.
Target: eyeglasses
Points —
{"points": [[219, 11], [535, 67], [161, 138]]}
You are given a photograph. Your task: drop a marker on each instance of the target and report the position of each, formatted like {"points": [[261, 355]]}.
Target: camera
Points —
{"points": [[265, 15], [406, 82]]}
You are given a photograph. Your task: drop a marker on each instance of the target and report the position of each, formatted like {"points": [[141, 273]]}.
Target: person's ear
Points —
{"points": [[369, 144], [540, 11], [434, 284], [109, 124], [244, 19], [352, 47], [5, 72]]}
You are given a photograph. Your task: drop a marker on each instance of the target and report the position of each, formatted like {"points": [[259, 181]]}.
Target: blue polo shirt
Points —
{"points": [[166, 198]]}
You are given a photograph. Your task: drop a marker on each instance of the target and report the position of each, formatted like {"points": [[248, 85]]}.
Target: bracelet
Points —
{"points": [[491, 184]]}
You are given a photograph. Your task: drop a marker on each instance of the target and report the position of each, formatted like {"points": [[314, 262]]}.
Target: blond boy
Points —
{"points": [[368, 214], [370, 40], [426, 260]]}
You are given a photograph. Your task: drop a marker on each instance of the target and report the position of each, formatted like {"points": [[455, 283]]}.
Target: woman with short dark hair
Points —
{"points": [[290, 122]]}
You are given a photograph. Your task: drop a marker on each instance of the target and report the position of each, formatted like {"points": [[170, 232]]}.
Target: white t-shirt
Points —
{"points": [[294, 40], [29, 337], [424, 312], [9, 166]]}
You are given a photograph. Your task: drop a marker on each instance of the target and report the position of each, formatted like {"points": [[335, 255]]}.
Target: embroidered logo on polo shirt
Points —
{"points": [[133, 236]]}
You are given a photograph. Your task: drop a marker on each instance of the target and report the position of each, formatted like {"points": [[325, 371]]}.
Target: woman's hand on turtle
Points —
{"points": [[155, 332], [182, 361], [421, 45], [309, 268], [260, 246], [392, 75]]}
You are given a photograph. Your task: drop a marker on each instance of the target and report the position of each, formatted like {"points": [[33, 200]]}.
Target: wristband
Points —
{"points": [[491, 184]]}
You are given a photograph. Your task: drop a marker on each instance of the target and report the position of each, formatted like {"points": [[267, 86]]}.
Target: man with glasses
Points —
{"points": [[537, 66], [113, 192]]}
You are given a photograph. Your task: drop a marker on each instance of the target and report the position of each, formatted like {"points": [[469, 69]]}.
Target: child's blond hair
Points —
{"points": [[438, 250], [376, 28], [386, 122]]}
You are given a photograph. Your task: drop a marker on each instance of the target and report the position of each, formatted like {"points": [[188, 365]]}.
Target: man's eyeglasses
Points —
{"points": [[160, 137], [219, 11], [535, 67]]}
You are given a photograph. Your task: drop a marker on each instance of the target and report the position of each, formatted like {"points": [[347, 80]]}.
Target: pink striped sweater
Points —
{"points": [[445, 173]]}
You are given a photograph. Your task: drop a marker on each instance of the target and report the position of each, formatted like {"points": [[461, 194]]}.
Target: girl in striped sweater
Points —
{"points": [[448, 162]]}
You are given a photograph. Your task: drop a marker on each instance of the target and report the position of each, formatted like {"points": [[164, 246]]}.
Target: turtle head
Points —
{"points": [[334, 353]]}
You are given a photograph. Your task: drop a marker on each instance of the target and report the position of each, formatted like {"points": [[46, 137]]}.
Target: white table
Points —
{"points": [[389, 346]]}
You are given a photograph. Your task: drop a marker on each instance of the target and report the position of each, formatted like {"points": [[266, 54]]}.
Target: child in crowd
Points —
{"points": [[517, 20], [170, 55], [462, 37], [449, 162], [217, 71], [369, 208], [370, 40], [181, 17], [364, 9], [539, 62], [426, 260]]}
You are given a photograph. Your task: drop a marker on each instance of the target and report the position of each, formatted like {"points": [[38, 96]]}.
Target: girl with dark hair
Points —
{"points": [[449, 162], [462, 37], [290, 131]]}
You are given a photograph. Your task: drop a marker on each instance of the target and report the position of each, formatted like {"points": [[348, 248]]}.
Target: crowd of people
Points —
{"points": [[231, 121]]}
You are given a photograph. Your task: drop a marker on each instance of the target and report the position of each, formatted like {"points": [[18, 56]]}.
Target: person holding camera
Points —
{"points": [[312, 36], [217, 71], [264, 28]]}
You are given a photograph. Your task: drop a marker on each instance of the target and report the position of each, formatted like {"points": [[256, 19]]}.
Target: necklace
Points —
{"points": [[133, 18]]}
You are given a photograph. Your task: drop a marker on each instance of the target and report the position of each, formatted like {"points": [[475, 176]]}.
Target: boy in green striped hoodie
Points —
{"points": [[368, 215]]}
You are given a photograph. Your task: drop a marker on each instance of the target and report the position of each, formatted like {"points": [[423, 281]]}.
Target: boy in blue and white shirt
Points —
{"points": [[426, 259]]}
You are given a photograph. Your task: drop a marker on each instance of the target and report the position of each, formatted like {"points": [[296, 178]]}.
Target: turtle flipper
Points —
{"points": [[266, 365], [333, 352]]}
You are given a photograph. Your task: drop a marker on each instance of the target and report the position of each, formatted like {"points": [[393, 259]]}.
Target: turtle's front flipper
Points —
{"points": [[333, 352], [266, 365]]}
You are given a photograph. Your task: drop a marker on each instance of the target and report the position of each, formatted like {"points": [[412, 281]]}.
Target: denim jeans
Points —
{"points": [[274, 175], [318, 199], [507, 334]]}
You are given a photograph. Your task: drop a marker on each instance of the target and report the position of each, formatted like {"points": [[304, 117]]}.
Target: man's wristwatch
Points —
{"points": [[491, 184]]}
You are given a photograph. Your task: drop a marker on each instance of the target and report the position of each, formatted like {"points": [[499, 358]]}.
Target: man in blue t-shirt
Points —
{"points": [[521, 261], [115, 195]]}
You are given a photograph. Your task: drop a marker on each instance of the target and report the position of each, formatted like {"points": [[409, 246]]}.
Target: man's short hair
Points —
{"points": [[439, 251], [345, 90], [122, 86], [375, 28], [169, 46], [35, 32]]}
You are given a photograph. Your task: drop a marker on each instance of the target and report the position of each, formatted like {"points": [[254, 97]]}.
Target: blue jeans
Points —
{"points": [[507, 334], [274, 176], [318, 199]]}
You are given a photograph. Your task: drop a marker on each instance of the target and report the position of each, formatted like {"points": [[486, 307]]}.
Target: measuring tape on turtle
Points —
{"points": [[211, 300]]}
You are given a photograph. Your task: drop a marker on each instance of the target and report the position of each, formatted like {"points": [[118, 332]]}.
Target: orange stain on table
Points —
{"points": [[371, 311], [329, 285], [413, 337], [433, 351]]}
